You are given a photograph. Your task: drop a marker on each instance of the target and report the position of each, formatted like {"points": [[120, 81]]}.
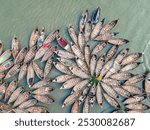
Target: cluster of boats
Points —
{"points": [[95, 76], [17, 64]]}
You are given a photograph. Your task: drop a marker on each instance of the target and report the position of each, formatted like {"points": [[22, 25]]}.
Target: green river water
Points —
{"points": [[21, 16]]}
